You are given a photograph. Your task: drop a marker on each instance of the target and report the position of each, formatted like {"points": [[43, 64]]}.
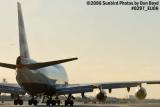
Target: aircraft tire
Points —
{"points": [[35, 102], [48, 102], [58, 102], [15, 102], [30, 102], [71, 103], [20, 102], [53, 102], [66, 103]]}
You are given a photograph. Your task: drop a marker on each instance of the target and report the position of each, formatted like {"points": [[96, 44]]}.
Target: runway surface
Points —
{"points": [[10, 104]]}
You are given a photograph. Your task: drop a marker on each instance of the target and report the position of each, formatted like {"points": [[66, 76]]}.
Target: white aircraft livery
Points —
{"points": [[49, 79]]}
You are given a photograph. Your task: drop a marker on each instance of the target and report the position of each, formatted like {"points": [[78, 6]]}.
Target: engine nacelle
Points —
{"points": [[141, 93], [101, 96]]}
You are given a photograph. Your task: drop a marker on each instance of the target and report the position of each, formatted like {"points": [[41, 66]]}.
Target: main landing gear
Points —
{"points": [[32, 101], [69, 100], [50, 101], [18, 101]]}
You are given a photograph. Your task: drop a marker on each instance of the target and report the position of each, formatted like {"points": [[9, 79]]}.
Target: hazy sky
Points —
{"points": [[112, 43]]}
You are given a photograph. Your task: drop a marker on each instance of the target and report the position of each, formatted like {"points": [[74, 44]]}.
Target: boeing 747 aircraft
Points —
{"points": [[49, 79]]}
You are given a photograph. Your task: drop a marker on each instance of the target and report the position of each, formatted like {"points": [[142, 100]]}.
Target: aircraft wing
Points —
{"points": [[82, 88], [11, 88], [113, 85]]}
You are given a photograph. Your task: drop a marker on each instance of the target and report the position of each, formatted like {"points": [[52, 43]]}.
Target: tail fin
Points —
{"points": [[24, 52]]}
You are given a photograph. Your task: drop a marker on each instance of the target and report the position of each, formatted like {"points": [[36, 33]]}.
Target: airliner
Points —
{"points": [[49, 79]]}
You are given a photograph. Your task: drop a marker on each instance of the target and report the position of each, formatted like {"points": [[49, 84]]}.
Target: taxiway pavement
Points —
{"points": [[10, 104]]}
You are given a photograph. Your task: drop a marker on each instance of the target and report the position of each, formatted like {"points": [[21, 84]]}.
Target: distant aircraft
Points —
{"points": [[49, 79]]}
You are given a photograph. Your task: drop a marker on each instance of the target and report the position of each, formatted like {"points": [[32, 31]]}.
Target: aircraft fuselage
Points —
{"points": [[40, 81]]}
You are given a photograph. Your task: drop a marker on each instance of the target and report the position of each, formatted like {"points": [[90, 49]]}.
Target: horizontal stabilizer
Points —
{"points": [[46, 64], [11, 66]]}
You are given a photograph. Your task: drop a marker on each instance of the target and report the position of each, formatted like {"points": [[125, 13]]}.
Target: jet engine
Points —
{"points": [[101, 96], [141, 93]]}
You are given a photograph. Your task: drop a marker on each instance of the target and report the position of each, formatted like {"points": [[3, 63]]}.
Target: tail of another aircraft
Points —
{"points": [[24, 51]]}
